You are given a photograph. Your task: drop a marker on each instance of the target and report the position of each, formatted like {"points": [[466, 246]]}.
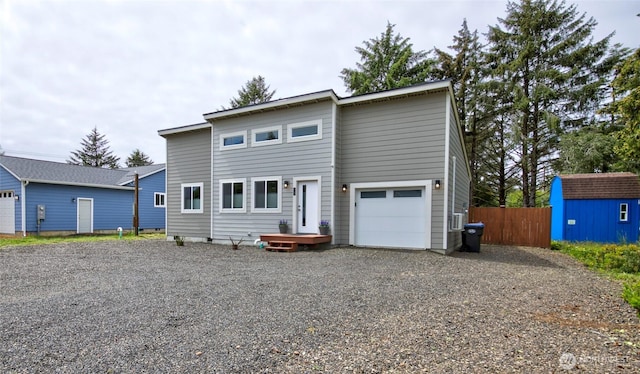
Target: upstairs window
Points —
{"points": [[266, 136], [624, 212], [233, 140], [303, 131], [192, 198], [232, 196]]}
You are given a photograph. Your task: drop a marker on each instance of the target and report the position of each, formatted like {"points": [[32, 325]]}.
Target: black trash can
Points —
{"points": [[471, 236]]}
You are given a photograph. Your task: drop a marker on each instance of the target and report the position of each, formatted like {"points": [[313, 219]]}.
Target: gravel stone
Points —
{"points": [[150, 306]]}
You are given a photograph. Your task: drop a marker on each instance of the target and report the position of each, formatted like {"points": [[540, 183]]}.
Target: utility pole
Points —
{"points": [[135, 206]]}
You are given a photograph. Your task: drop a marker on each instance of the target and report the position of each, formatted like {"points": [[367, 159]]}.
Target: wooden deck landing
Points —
{"points": [[290, 242]]}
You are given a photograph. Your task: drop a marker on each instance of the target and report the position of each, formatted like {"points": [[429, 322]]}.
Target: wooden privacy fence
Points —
{"points": [[514, 226]]}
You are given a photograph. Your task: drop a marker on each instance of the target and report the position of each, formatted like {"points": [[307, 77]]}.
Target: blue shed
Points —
{"points": [[58, 198], [602, 208]]}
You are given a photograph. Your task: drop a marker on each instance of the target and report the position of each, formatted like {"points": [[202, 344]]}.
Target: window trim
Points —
{"points": [[233, 146], [374, 194], [623, 215], [155, 199], [253, 195], [192, 211], [244, 195], [292, 126], [255, 132]]}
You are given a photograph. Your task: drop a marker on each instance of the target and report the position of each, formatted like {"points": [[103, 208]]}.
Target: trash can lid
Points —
{"points": [[476, 225]]}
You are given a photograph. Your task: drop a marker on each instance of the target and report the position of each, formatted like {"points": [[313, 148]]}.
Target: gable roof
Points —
{"points": [[40, 171], [600, 186], [142, 171]]}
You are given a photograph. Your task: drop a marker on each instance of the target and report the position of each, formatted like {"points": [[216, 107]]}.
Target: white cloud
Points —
{"points": [[134, 67]]}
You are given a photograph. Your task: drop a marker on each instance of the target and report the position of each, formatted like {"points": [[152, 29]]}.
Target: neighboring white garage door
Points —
{"points": [[7, 212], [391, 217]]}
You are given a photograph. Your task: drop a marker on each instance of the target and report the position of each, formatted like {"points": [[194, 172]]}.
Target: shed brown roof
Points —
{"points": [[600, 186]]}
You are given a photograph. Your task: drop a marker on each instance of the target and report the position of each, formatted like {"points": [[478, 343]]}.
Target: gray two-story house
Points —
{"points": [[387, 169]]}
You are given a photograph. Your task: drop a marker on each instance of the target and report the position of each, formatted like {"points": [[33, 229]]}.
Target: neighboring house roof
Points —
{"points": [[26, 169], [600, 186], [143, 171]]}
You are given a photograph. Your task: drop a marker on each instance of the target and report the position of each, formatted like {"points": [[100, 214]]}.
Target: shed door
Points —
{"points": [[7, 212], [85, 216], [391, 217]]}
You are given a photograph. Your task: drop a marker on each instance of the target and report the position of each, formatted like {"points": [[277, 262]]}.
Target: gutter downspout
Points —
{"points": [[334, 185], [453, 192], [23, 207]]}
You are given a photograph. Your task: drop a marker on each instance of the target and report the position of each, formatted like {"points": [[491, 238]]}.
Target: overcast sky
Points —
{"points": [[131, 68]]}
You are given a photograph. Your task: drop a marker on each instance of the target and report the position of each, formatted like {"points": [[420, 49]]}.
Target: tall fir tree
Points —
{"points": [[95, 152], [255, 91], [590, 148], [465, 69], [626, 86], [385, 63], [544, 54], [138, 158]]}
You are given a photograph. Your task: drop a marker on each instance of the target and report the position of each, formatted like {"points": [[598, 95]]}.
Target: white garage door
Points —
{"points": [[7, 212], [391, 217]]}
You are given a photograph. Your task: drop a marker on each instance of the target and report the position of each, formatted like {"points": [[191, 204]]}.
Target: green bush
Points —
{"points": [[631, 294], [620, 261], [632, 261]]}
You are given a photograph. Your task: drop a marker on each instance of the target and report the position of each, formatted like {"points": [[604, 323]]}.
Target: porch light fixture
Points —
{"points": [[16, 197], [437, 184], [73, 199], [286, 184], [344, 188]]}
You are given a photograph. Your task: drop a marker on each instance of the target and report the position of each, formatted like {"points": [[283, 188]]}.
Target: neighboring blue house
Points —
{"points": [[602, 208], [57, 198]]}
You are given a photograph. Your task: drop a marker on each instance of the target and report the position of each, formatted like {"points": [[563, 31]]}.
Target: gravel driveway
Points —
{"points": [[149, 306]]}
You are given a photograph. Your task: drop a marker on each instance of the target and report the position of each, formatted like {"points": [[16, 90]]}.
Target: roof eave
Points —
{"points": [[181, 129], [11, 172], [92, 185], [142, 176], [272, 105], [427, 87]]}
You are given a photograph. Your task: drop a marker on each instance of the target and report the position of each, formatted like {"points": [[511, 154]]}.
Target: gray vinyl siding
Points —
{"points": [[456, 148], [288, 160], [396, 140], [188, 161], [340, 226]]}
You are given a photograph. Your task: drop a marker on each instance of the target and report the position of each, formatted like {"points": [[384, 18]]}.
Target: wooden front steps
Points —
{"points": [[282, 246], [290, 242]]}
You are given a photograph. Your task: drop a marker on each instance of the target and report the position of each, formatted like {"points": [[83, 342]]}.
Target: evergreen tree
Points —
{"points": [[255, 91], [590, 148], [466, 71], [138, 158], [626, 105], [587, 150], [386, 62], [543, 54], [95, 152]]}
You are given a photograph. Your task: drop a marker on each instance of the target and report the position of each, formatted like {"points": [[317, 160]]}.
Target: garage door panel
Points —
{"points": [[7, 212], [397, 220]]}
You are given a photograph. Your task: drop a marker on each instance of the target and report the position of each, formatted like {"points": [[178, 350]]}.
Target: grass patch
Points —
{"points": [[621, 262], [44, 240]]}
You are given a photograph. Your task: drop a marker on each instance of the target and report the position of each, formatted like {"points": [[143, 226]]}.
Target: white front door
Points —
{"points": [[308, 205], [7, 212], [85, 216]]}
